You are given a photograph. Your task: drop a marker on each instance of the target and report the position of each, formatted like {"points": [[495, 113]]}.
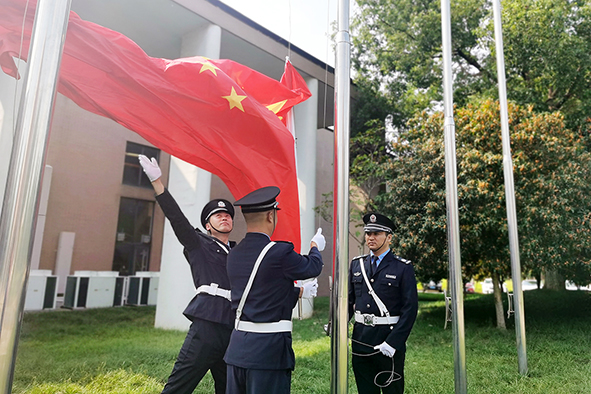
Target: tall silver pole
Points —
{"points": [[510, 194], [339, 345], [17, 224], [453, 222]]}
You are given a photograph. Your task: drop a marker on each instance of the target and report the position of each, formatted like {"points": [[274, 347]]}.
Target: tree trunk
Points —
{"points": [[554, 281], [538, 277], [498, 293]]}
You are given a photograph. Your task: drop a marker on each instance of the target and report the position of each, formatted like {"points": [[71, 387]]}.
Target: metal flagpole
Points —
{"points": [[453, 230], [339, 345], [510, 194], [17, 224]]}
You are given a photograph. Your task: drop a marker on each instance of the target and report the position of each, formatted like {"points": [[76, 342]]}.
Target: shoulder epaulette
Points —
{"points": [[284, 242], [405, 261], [363, 256]]}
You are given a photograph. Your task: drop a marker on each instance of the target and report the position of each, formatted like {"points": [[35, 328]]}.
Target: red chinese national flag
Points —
{"points": [[215, 114]]}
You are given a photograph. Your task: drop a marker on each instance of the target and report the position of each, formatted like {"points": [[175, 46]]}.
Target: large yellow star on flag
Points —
{"points": [[235, 100], [207, 66]]}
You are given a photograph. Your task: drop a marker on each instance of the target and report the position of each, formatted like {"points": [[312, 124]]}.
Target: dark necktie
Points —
{"points": [[373, 265]]}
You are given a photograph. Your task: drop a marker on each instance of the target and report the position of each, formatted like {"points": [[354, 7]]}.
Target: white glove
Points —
{"points": [[386, 349], [310, 289], [150, 167], [319, 239]]}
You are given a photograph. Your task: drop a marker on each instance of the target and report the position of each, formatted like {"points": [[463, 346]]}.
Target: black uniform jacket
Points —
{"points": [[207, 260], [272, 298], [395, 284]]}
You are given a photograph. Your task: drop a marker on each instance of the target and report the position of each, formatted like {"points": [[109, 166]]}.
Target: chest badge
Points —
{"points": [[356, 273], [390, 276]]}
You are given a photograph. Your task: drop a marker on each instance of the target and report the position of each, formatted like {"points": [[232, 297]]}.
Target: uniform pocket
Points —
{"points": [[389, 285], [357, 284]]}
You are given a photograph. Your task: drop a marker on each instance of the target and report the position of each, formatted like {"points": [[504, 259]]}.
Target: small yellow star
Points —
{"points": [[275, 108], [235, 100], [207, 66]]}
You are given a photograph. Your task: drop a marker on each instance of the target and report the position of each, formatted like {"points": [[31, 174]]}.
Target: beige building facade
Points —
{"points": [[94, 195]]}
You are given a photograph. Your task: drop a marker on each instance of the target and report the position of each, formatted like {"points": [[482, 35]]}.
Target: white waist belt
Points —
{"points": [[373, 320], [264, 328], [214, 290]]}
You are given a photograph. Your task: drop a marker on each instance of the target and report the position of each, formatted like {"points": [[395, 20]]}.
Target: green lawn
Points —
{"points": [[117, 350]]}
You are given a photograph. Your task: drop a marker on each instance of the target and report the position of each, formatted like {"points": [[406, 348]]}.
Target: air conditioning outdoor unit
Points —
{"points": [[143, 288], [41, 290], [90, 289]]}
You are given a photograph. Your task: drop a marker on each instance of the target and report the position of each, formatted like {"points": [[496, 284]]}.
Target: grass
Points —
{"points": [[117, 350]]}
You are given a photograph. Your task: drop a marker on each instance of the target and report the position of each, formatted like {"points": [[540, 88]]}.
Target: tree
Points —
{"points": [[397, 46], [368, 158], [552, 182], [548, 55], [368, 105], [368, 173]]}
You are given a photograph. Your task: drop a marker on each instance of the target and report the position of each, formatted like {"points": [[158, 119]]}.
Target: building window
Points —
{"points": [[134, 236], [132, 172]]}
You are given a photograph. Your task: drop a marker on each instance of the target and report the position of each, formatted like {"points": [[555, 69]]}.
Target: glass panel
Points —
{"points": [[70, 296], [133, 294], [132, 171], [134, 236], [118, 298], [49, 299]]}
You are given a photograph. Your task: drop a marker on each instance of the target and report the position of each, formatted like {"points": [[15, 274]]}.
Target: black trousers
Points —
{"points": [[377, 368], [202, 351], [258, 381]]}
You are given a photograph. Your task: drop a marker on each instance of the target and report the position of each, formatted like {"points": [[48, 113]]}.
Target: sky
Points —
{"points": [[307, 24]]}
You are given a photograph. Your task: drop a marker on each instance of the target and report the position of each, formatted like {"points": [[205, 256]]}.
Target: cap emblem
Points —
{"points": [[221, 204], [372, 218]]}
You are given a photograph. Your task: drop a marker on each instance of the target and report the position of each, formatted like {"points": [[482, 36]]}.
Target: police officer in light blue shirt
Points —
{"points": [[385, 316]]}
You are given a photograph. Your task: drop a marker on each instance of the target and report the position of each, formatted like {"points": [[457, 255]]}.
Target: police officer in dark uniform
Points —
{"points": [[210, 310], [260, 357], [384, 319]]}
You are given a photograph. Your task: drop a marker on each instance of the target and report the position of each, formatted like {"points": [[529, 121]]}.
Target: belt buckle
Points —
{"points": [[368, 320]]}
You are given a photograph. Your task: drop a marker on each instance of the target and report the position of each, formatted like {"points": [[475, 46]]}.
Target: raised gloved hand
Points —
{"points": [[386, 349], [310, 289], [150, 167], [319, 239]]}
